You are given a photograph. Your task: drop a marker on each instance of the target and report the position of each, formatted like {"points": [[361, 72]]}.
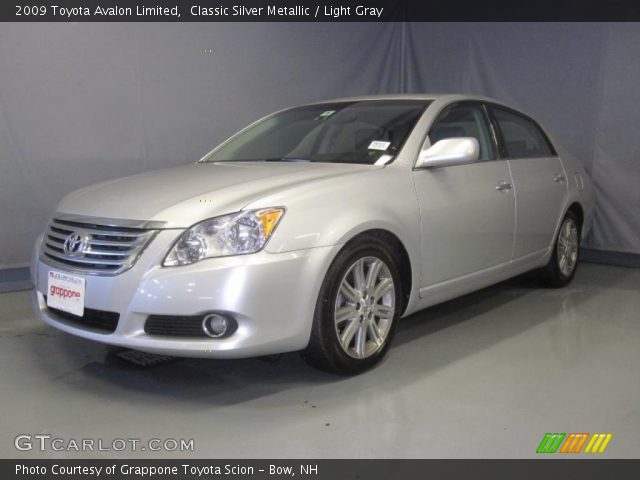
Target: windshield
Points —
{"points": [[346, 132]]}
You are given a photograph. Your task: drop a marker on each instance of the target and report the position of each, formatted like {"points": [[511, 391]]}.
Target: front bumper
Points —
{"points": [[272, 296]]}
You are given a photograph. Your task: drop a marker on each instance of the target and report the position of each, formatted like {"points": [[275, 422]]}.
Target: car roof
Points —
{"points": [[445, 97]]}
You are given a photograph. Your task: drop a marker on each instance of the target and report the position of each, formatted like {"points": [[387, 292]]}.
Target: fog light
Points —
{"points": [[214, 325]]}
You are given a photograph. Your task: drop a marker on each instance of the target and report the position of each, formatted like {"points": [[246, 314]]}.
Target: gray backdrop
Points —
{"points": [[82, 103]]}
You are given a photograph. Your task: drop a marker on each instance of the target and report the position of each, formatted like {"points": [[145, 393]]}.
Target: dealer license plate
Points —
{"points": [[66, 292]]}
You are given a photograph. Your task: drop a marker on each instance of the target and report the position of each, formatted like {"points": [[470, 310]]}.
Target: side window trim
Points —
{"points": [[496, 134], [502, 148]]}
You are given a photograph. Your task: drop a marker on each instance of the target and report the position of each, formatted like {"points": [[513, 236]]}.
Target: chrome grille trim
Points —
{"points": [[117, 223], [107, 248]]}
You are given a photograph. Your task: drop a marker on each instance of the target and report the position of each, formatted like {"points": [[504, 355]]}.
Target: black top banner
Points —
{"points": [[317, 10]]}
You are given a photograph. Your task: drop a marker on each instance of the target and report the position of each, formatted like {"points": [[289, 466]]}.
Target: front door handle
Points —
{"points": [[559, 178], [504, 187]]}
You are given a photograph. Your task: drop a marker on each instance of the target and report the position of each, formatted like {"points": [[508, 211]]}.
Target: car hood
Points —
{"points": [[185, 195]]}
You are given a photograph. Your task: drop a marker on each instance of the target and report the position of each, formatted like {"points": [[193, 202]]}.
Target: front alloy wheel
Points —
{"points": [[357, 310], [365, 307]]}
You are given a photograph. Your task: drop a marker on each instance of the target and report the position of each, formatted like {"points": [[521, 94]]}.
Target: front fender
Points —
{"points": [[331, 212]]}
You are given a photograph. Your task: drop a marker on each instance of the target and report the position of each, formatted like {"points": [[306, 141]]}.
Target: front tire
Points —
{"points": [[357, 311], [564, 260]]}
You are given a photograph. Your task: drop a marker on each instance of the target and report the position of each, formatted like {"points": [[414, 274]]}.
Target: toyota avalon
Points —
{"points": [[315, 229]]}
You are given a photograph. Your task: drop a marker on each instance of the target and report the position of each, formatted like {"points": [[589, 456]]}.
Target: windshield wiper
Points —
{"points": [[288, 159]]}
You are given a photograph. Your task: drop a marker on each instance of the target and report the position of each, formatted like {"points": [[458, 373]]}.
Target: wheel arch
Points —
{"points": [[397, 250], [578, 211]]}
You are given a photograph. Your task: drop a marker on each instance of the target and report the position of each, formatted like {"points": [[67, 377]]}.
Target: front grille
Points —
{"points": [[102, 248], [97, 319], [175, 326]]}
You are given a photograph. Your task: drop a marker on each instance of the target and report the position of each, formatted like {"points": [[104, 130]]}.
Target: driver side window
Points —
{"points": [[465, 121]]}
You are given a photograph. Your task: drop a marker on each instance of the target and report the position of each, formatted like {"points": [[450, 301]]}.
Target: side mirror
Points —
{"points": [[450, 151]]}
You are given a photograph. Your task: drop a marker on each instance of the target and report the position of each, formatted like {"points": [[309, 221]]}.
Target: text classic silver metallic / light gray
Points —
{"points": [[315, 229]]}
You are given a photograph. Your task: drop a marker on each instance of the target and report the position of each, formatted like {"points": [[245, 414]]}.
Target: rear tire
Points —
{"points": [[564, 260], [357, 311]]}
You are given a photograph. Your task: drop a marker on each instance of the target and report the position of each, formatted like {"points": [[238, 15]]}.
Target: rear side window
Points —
{"points": [[522, 137]]}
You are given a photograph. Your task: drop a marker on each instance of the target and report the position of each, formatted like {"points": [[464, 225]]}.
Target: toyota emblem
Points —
{"points": [[74, 244]]}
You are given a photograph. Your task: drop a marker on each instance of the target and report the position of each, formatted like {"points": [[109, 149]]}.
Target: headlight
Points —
{"points": [[235, 234]]}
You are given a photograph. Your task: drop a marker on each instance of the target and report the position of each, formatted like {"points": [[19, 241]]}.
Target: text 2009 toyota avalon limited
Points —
{"points": [[315, 229]]}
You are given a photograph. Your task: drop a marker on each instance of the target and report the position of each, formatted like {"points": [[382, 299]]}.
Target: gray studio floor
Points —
{"points": [[482, 376]]}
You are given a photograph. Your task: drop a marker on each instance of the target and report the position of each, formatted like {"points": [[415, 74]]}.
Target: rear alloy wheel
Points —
{"points": [[564, 259], [357, 310]]}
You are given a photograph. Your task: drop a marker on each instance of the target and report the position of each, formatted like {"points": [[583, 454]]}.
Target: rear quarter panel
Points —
{"points": [[579, 189]]}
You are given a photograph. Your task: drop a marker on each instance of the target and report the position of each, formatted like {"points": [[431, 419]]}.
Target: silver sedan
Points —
{"points": [[315, 229]]}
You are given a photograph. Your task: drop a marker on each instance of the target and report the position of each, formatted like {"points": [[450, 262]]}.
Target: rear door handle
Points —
{"points": [[559, 178], [504, 187]]}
